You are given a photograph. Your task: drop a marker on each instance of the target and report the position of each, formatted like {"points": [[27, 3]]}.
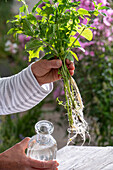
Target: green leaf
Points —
{"points": [[49, 31], [48, 11], [69, 23], [73, 33], [34, 8], [48, 56], [87, 33], [60, 1], [7, 21], [35, 54], [83, 11], [74, 55], [24, 8], [27, 27], [32, 19], [103, 13], [11, 31], [33, 45], [99, 5], [94, 28], [47, 1], [38, 10], [94, 4], [19, 32], [60, 102], [17, 16], [103, 7], [96, 13], [15, 31], [72, 39]]}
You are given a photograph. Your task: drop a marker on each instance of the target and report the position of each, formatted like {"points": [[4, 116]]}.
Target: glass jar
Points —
{"points": [[42, 146]]}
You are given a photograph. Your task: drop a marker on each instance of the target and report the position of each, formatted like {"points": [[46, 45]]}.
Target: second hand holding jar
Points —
{"points": [[42, 146]]}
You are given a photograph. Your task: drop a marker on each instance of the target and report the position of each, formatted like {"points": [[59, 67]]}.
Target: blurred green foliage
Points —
{"points": [[95, 78], [5, 14], [15, 127], [12, 63]]}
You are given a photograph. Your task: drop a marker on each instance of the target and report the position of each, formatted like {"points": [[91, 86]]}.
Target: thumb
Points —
{"points": [[24, 143], [54, 63]]}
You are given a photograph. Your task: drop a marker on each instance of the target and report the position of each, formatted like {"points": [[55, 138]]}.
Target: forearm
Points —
{"points": [[21, 92]]}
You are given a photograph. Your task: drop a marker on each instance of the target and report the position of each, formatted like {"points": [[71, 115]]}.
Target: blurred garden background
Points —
{"points": [[93, 74]]}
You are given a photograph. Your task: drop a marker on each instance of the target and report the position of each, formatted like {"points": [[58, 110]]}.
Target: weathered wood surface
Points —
{"points": [[85, 158]]}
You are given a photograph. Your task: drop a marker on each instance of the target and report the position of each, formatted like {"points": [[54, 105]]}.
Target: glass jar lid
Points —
{"points": [[44, 127]]}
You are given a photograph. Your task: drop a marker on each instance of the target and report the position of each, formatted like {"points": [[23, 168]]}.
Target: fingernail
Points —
{"points": [[56, 164]]}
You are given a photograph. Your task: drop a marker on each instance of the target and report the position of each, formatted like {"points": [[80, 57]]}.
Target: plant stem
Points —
{"points": [[77, 37], [49, 46], [68, 94]]}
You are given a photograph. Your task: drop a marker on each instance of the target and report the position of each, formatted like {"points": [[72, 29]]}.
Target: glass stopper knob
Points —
{"points": [[44, 127]]}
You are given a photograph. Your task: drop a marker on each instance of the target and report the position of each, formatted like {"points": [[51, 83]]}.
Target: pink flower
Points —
{"points": [[87, 4], [104, 2], [92, 53], [81, 57], [86, 44], [103, 49], [108, 33], [22, 38], [62, 92], [101, 27], [106, 22], [56, 92], [110, 39], [86, 52], [106, 58], [28, 38], [110, 12]]}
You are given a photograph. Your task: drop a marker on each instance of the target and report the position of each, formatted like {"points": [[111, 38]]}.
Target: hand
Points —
{"points": [[16, 159], [46, 71]]}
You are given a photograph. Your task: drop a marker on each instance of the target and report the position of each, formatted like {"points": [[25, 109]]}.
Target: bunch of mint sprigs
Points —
{"points": [[55, 28]]}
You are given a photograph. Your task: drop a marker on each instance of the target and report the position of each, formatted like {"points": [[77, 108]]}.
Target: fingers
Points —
{"points": [[58, 63], [24, 143], [71, 72], [54, 63], [70, 66], [43, 164], [68, 61]]}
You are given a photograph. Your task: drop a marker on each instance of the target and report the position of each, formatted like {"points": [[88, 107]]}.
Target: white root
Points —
{"points": [[79, 126]]}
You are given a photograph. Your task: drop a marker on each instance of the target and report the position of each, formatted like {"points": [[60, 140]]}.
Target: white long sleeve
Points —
{"points": [[21, 92]]}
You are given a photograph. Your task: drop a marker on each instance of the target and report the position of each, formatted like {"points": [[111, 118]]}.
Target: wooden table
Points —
{"points": [[85, 158]]}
